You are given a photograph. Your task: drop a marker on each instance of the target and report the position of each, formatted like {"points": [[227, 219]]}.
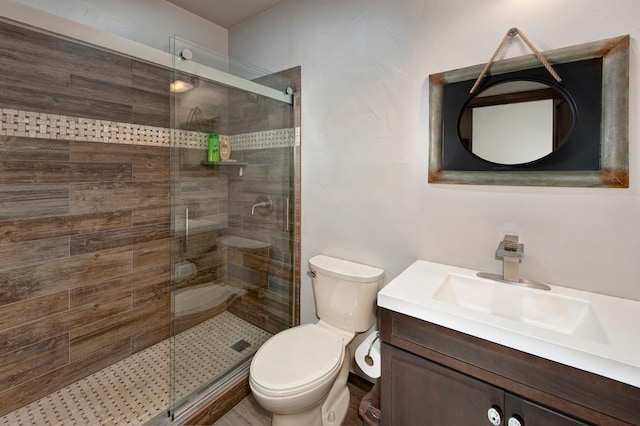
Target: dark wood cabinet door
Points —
{"points": [[535, 415], [422, 393]]}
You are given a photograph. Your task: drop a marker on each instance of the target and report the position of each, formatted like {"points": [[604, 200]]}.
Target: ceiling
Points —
{"points": [[226, 13]]}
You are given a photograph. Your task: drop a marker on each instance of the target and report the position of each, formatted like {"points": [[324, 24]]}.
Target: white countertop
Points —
{"points": [[615, 354]]}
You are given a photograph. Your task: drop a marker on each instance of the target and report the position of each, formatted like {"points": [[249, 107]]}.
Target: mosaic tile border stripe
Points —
{"points": [[52, 126]]}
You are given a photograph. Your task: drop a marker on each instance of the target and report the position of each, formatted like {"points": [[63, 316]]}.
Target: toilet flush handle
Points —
{"points": [[311, 273]]}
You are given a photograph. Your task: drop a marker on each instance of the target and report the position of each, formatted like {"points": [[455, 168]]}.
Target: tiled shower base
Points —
{"points": [[136, 389]]}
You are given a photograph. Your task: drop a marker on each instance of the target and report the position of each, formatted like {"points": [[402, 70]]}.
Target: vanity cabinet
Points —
{"points": [[435, 376], [426, 393]]}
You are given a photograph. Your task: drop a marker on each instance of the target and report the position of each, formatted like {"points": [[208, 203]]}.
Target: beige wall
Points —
{"points": [[365, 139], [150, 22]]}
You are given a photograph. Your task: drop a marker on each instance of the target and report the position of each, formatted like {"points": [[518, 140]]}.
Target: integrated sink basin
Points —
{"points": [[538, 308], [589, 331]]}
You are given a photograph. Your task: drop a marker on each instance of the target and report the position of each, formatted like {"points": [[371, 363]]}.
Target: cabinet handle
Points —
{"points": [[515, 420], [495, 415]]}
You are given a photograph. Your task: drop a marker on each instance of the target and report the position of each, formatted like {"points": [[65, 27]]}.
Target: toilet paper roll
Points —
{"points": [[368, 355]]}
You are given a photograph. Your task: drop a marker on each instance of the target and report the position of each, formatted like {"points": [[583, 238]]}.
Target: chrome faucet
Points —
{"points": [[511, 253], [264, 202]]}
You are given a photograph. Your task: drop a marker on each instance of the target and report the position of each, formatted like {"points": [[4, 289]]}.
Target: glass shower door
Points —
{"points": [[232, 251]]}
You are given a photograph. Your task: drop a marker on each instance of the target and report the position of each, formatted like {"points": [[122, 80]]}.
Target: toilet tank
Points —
{"points": [[345, 292]]}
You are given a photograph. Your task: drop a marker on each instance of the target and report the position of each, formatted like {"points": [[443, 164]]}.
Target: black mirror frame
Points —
{"points": [[614, 135]]}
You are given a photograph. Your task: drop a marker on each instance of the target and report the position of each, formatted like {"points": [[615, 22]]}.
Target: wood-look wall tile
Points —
{"points": [[54, 276], [153, 323], [27, 45], [201, 242], [152, 297], [116, 196], [42, 329], [93, 63], [97, 335], [152, 254], [76, 73], [88, 243], [24, 98], [211, 100], [249, 188], [100, 292], [116, 288], [15, 314], [119, 153], [90, 88], [280, 270], [151, 78], [33, 361], [37, 49], [250, 313], [18, 255], [202, 189], [147, 216], [151, 109], [40, 76], [276, 305], [25, 393], [151, 169], [281, 287], [248, 276], [20, 201], [15, 148], [14, 231], [256, 171], [258, 260], [253, 223], [58, 172], [281, 249], [152, 335], [93, 336]]}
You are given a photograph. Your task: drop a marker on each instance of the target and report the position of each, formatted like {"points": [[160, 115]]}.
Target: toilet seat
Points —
{"points": [[296, 360]]}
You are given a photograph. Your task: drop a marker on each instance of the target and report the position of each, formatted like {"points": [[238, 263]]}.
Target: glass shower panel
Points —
{"points": [[232, 250]]}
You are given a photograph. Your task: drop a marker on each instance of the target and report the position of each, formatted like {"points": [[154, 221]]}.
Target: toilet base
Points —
{"points": [[330, 412], [312, 417], [334, 409]]}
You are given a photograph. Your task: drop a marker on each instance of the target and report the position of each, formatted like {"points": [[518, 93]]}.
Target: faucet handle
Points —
{"points": [[509, 247], [510, 243]]}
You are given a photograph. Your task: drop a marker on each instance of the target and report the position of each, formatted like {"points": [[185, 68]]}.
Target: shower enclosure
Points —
{"points": [[232, 222], [133, 277]]}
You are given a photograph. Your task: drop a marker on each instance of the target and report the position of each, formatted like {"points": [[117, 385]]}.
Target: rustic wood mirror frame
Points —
{"points": [[614, 134]]}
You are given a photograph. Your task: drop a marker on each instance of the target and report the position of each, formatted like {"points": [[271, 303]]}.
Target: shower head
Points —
{"points": [[185, 54]]}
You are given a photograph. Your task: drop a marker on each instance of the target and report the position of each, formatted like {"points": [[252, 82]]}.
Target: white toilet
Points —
{"points": [[300, 374]]}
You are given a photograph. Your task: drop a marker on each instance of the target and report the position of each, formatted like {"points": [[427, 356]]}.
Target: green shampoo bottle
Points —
{"points": [[213, 148]]}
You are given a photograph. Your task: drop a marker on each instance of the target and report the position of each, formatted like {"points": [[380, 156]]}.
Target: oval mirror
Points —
{"points": [[516, 122]]}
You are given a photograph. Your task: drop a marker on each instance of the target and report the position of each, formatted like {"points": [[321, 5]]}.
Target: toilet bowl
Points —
{"points": [[300, 374]]}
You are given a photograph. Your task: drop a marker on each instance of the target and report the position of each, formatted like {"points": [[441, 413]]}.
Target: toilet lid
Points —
{"points": [[297, 358]]}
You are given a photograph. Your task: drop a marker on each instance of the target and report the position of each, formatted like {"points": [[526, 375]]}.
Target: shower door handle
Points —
{"points": [[186, 230], [286, 214]]}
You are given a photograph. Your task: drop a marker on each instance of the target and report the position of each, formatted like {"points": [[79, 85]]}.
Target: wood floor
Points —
{"points": [[248, 412]]}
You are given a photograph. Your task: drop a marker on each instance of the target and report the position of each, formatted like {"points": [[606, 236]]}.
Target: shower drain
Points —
{"points": [[240, 345]]}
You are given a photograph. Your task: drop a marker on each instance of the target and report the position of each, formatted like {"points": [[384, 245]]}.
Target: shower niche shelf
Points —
{"points": [[222, 165]]}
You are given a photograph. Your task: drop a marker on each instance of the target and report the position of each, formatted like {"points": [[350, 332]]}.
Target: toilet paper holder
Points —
{"points": [[367, 358]]}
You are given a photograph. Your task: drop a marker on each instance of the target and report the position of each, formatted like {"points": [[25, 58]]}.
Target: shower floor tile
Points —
{"points": [[136, 389]]}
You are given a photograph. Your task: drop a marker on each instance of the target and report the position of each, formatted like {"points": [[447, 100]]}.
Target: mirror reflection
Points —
{"points": [[516, 122]]}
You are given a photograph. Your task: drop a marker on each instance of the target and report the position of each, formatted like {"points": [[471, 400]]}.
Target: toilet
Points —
{"points": [[300, 374]]}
